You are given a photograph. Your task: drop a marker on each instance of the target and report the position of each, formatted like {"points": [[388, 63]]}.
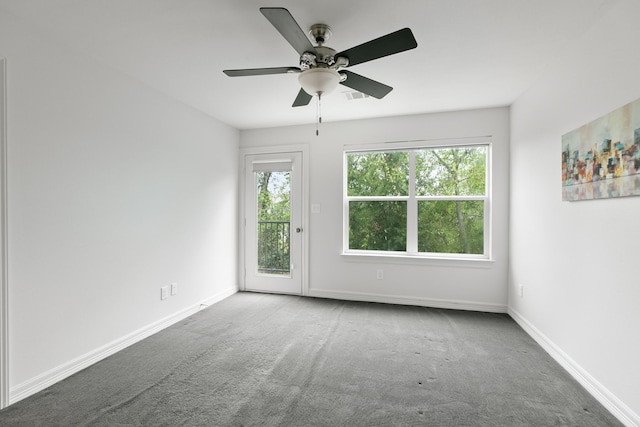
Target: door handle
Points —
{"points": [[298, 229]]}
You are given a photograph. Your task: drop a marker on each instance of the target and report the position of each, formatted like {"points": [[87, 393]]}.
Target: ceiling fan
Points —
{"points": [[321, 67]]}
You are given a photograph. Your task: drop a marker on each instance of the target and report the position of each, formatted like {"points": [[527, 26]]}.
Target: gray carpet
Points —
{"points": [[256, 359]]}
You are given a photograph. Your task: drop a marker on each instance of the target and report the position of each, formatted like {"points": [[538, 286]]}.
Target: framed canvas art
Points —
{"points": [[601, 159]]}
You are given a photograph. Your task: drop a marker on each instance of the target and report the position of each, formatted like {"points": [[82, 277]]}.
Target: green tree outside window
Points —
{"points": [[447, 192]]}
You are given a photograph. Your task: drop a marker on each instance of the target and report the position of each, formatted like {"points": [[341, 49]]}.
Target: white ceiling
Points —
{"points": [[470, 54]]}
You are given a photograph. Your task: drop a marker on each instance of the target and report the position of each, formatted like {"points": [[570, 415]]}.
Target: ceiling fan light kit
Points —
{"points": [[320, 67], [319, 81]]}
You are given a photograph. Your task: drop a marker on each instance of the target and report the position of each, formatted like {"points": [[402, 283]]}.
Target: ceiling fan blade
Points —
{"points": [[302, 99], [390, 44], [289, 28], [365, 85], [260, 71]]}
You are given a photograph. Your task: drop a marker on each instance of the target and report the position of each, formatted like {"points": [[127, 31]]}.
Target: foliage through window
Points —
{"points": [[418, 201], [273, 191]]}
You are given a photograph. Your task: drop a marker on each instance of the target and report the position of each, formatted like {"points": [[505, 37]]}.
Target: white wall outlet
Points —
{"points": [[380, 274], [164, 292], [521, 290], [174, 288]]}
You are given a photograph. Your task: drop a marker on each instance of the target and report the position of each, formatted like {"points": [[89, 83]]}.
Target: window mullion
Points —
{"points": [[412, 207]]}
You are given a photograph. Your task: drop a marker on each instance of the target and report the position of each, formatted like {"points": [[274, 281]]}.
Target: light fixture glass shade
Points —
{"points": [[316, 81]]}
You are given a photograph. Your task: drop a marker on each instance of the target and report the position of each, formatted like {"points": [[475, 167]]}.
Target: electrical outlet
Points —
{"points": [[174, 288], [164, 292], [380, 274], [521, 291]]}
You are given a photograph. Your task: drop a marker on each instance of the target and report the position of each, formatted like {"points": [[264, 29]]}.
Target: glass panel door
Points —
{"points": [[273, 247]]}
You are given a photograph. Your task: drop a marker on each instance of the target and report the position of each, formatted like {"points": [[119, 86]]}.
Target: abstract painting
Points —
{"points": [[601, 159]]}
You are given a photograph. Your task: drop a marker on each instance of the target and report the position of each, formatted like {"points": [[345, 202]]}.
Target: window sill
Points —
{"points": [[421, 260]]}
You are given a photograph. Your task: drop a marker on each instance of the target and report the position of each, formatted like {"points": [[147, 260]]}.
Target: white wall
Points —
{"points": [[577, 260], [114, 191], [481, 286]]}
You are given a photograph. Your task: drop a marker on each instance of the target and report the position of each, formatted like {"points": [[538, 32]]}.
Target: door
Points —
{"points": [[273, 223]]}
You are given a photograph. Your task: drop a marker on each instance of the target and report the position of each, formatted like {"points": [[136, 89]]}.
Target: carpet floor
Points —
{"points": [[274, 360]]}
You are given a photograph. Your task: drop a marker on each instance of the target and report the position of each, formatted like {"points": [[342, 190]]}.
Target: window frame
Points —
{"points": [[412, 199]]}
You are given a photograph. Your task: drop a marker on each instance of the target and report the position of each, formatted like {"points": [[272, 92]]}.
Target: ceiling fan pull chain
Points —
{"points": [[318, 118]]}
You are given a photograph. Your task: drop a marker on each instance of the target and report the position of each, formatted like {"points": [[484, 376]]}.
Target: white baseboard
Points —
{"points": [[621, 411], [65, 370], [403, 300]]}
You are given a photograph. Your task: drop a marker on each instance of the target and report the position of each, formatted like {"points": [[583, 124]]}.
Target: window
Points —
{"points": [[427, 201]]}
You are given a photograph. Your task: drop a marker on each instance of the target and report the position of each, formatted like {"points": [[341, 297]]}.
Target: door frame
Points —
{"points": [[4, 277], [304, 150]]}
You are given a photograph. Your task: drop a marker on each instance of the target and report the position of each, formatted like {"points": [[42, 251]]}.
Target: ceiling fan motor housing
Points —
{"points": [[325, 55]]}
